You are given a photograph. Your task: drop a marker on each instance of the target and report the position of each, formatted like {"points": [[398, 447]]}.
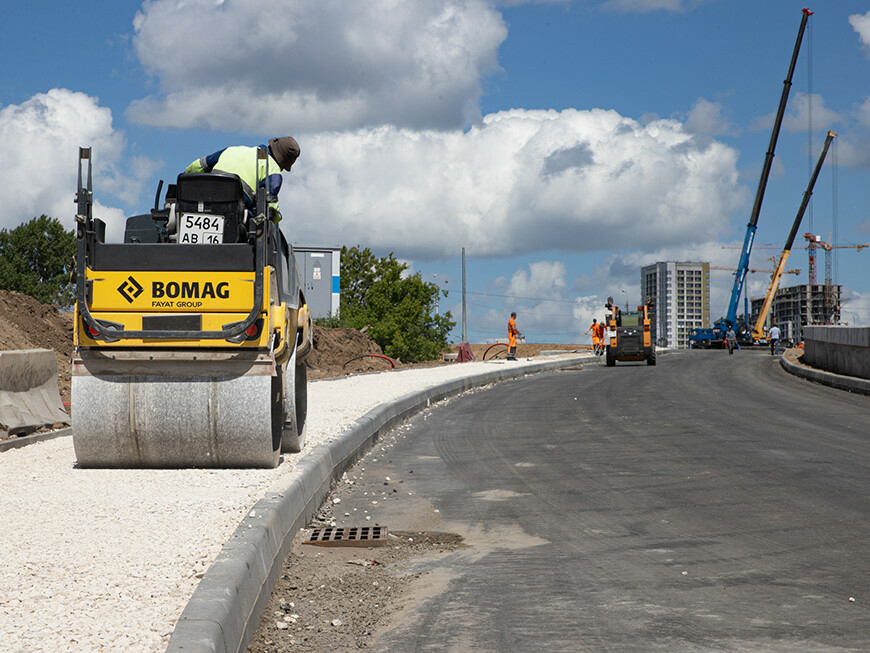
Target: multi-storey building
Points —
{"points": [[795, 307], [680, 291]]}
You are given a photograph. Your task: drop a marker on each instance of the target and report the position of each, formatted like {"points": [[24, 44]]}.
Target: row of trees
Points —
{"points": [[397, 307], [37, 258]]}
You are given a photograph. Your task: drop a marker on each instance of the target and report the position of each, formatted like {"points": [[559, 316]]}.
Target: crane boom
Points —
{"points": [[743, 265], [758, 332]]}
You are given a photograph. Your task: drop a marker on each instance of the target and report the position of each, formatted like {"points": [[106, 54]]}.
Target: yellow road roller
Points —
{"points": [[191, 335]]}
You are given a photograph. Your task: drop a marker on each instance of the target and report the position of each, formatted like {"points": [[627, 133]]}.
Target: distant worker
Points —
{"points": [[242, 161], [773, 336], [615, 312], [731, 340], [513, 332], [597, 337]]}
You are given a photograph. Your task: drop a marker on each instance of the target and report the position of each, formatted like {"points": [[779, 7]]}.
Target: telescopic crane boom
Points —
{"points": [[743, 265], [758, 332]]}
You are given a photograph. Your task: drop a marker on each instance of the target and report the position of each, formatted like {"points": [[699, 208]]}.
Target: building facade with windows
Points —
{"points": [[795, 307], [680, 292]]}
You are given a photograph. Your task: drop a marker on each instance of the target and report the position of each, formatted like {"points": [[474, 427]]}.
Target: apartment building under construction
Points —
{"points": [[795, 307]]}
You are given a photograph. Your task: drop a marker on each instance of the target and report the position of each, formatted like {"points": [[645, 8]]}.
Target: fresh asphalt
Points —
{"points": [[711, 502]]}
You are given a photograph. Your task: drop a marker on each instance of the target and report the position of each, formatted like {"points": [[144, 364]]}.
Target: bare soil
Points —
{"points": [[336, 598], [27, 324]]}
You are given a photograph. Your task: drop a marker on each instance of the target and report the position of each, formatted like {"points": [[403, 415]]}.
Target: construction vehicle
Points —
{"points": [[629, 334], [191, 335], [758, 331], [709, 337]]}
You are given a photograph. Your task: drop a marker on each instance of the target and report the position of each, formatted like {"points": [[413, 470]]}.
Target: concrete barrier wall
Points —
{"points": [[838, 349], [29, 396]]}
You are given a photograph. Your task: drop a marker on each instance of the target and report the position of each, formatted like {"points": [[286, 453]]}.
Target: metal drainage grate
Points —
{"points": [[352, 536]]}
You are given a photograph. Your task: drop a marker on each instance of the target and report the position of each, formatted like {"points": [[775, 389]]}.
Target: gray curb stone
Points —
{"points": [[839, 381], [17, 443], [225, 610]]}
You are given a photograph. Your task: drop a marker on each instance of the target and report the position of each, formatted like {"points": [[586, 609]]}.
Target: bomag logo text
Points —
{"points": [[190, 290]]}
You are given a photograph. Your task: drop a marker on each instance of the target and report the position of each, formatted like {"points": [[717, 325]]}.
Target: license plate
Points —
{"points": [[197, 228]]}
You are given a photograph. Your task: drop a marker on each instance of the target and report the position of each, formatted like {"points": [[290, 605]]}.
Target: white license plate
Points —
{"points": [[197, 228]]}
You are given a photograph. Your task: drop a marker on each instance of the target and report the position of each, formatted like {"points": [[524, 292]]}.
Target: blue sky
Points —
{"points": [[564, 144]]}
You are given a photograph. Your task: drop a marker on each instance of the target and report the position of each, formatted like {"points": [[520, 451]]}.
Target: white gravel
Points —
{"points": [[106, 560]]}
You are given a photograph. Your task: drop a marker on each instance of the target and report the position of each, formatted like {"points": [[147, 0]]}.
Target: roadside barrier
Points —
{"points": [[29, 396]]}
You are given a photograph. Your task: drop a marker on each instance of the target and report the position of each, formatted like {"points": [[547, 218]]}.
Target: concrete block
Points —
{"points": [[29, 396], [838, 349]]}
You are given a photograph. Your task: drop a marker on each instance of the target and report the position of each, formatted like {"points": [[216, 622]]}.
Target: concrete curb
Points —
{"points": [[225, 610], [839, 381]]}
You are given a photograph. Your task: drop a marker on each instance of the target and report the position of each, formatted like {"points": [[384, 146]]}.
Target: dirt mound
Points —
{"points": [[27, 324], [338, 351]]}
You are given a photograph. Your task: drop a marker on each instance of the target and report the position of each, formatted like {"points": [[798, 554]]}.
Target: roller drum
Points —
{"points": [[176, 421]]}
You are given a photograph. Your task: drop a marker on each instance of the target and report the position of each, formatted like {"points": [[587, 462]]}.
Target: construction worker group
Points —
{"points": [[597, 329]]}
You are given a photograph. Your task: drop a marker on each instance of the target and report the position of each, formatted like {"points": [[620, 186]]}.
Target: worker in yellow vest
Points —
{"points": [[243, 161]]}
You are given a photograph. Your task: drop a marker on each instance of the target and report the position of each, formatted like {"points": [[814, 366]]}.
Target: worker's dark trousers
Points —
{"points": [[512, 353]]}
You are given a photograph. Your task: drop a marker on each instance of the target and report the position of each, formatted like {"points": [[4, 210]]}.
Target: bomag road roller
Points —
{"points": [[191, 335], [629, 334]]}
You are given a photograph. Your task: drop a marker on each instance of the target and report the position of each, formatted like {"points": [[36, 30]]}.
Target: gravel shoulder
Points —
{"points": [[106, 560]]}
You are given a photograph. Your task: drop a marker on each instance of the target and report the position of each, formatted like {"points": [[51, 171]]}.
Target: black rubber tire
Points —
{"points": [[651, 359], [301, 402], [277, 406], [609, 358]]}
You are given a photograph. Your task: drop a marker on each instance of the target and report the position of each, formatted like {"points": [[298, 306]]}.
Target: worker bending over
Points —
{"points": [[251, 170], [597, 329]]}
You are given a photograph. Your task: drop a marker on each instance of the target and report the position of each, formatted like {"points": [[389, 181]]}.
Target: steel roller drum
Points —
{"points": [[176, 421]]}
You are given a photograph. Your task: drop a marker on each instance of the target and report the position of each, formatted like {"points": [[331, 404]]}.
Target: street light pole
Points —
{"points": [[437, 293]]}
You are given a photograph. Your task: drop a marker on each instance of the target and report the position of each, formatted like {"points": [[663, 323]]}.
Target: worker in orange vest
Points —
{"points": [[513, 332], [597, 336]]}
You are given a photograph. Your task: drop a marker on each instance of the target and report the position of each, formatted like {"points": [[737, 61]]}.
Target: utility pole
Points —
{"points": [[464, 336]]}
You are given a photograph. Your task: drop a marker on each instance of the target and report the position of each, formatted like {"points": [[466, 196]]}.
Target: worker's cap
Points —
{"points": [[285, 151]]}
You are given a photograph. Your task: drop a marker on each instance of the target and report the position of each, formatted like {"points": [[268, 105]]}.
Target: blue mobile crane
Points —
{"points": [[714, 337]]}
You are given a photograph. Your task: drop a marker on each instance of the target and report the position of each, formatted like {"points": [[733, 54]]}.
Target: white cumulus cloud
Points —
{"points": [[521, 182], [276, 66], [39, 147], [861, 24], [706, 117], [544, 279], [797, 117], [646, 6]]}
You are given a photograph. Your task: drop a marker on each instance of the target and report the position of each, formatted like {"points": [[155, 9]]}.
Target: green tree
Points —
{"points": [[36, 258], [399, 307]]}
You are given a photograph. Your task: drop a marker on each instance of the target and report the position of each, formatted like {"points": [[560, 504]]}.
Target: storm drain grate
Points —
{"points": [[352, 536]]}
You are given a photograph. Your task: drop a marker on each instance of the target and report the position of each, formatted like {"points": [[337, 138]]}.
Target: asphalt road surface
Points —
{"points": [[711, 502]]}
